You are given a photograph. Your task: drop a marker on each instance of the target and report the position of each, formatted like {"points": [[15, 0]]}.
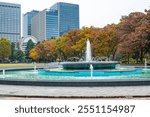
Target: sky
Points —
{"points": [[97, 13]]}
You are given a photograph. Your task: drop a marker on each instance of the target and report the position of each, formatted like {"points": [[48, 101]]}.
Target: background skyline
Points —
{"points": [[92, 12]]}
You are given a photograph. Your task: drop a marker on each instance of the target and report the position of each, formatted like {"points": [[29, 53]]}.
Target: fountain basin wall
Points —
{"points": [[86, 65], [77, 83]]}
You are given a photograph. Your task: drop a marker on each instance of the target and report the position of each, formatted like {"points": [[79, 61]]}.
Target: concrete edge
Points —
{"points": [[74, 97], [77, 83]]}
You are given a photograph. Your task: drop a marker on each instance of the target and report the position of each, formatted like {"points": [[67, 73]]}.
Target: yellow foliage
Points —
{"points": [[34, 54]]}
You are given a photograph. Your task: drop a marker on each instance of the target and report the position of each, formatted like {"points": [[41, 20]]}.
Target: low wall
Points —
{"points": [[77, 83]]}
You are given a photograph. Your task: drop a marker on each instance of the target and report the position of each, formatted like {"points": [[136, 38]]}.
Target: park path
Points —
{"points": [[76, 92]]}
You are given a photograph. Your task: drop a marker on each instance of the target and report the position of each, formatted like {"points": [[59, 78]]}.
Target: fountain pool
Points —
{"points": [[58, 77], [87, 73], [57, 74]]}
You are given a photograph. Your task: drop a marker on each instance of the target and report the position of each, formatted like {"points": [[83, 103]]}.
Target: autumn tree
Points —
{"points": [[73, 43], [5, 49], [65, 45], [145, 30], [50, 49], [105, 42], [86, 34], [133, 35], [34, 54], [40, 51]]}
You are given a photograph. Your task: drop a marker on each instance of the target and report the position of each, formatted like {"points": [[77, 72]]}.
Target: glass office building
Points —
{"points": [[27, 22], [56, 21], [51, 23], [10, 21], [45, 24], [68, 16]]}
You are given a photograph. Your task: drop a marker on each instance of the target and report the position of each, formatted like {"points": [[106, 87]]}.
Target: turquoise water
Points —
{"points": [[96, 73], [57, 74]]}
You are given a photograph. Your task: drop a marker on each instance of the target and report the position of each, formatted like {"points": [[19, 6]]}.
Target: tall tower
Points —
{"points": [[68, 16], [27, 17], [38, 27], [10, 21]]}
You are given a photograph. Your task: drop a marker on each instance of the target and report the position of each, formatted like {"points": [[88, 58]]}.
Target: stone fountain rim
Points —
{"points": [[91, 62]]}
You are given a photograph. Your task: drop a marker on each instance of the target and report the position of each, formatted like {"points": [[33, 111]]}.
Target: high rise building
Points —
{"points": [[27, 22], [45, 24], [68, 16], [10, 21], [56, 21]]}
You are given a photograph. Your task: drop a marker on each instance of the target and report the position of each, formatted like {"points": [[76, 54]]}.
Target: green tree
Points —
{"points": [[30, 45], [5, 49], [19, 56], [12, 57]]}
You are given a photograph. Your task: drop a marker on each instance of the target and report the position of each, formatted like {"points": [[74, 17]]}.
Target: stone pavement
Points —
{"points": [[78, 92]]}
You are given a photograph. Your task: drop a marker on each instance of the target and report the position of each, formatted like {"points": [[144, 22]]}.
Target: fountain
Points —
{"points": [[91, 68], [35, 68], [88, 57], [85, 65], [89, 72], [3, 73]]}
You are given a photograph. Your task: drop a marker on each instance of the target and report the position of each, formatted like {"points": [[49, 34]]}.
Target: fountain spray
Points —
{"points": [[88, 56]]}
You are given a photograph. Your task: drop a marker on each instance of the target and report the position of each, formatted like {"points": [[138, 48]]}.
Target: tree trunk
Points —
{"points": [[114, 54], [128, 58], [136, 60], [141, 56]]}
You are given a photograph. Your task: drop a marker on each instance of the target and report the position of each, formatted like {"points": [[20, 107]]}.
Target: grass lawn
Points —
{"points": [[19, 64]]}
